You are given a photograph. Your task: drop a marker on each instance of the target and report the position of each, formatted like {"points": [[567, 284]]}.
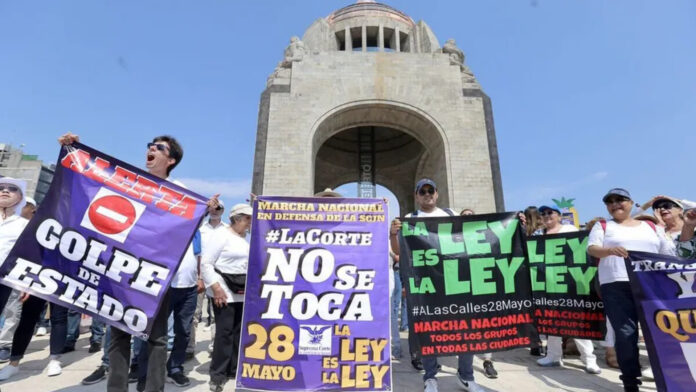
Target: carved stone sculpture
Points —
{"points": [[294, 52], [456, 57]]}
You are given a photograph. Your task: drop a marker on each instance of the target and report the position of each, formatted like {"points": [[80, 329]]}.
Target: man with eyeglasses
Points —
{"points": [[426, 199], [214, 224], [163, 154]]}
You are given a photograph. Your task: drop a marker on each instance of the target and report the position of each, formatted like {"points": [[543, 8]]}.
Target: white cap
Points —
{"points": [[241, 209], [31, 201], [22, 185]]}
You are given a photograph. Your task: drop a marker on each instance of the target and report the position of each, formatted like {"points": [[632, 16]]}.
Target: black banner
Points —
{"points": [[467, 283], [564, 286]]}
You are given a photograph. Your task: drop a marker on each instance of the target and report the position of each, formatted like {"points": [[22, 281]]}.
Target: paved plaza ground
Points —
{"points": [[517, 372]]}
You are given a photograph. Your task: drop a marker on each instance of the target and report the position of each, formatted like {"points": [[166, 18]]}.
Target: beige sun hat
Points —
{"points": [[328, 192]]}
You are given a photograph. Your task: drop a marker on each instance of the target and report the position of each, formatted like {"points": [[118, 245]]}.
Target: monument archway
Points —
{"points": [[407, 146], [369, 70]]}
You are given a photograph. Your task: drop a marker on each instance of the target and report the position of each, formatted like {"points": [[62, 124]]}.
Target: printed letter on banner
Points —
{"points": [[664, 288], [316, 307], [105, 241], [564, 286], [467, 283]]}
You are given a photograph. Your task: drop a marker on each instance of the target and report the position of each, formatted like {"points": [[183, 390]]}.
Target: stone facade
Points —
{"points": [[368, 65]]}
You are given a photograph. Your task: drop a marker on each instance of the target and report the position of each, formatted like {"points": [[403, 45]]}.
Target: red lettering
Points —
{"points": [[176, 203], [76, 161], [144, 189], [124, 180]]}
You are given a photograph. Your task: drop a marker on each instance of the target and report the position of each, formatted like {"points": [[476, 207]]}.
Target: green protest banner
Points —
{"points": [[468, 284], [565, 293]]}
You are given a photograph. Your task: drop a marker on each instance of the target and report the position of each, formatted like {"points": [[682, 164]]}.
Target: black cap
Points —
{"points": [[425, 181], [617, 192], [546, 208]]}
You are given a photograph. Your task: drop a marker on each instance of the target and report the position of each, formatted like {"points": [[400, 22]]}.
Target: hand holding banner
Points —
{"points": [[316, 307], [106, 241]]}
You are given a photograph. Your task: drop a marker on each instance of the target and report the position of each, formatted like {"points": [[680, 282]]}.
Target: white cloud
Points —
{"points": [[227, 189]]}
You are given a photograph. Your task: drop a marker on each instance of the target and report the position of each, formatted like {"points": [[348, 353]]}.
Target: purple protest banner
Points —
{"points": [[316, 307], [106, 241], [664, 290]]}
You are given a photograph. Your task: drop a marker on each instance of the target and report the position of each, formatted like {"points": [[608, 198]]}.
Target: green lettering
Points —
{"points": [[420, 229], [475, 238], [579, 250], [425, 287], [536, 284], [508, 269], [417, 257], [431, 257], [534, 257], [582, 279], [406, 229], [554, 279], [554, 251], [447, 246], [481, 276], [453, 285], [504, 234]]}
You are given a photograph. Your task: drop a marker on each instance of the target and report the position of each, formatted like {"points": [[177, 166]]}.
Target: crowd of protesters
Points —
{"points": [[218, 256]]}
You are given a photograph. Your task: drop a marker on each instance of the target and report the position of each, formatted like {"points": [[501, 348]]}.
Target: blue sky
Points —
{"points": [[587, 95]]}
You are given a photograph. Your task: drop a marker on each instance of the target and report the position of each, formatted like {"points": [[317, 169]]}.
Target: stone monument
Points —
{"points": [[369, 96]]}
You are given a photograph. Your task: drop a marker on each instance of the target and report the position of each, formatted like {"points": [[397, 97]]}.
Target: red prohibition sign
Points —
{"points": [[112, 214]]}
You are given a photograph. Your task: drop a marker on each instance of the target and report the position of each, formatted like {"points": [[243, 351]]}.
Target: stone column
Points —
{"points": [[380, 38], [397, 38], [349, 40], [364, 38]]}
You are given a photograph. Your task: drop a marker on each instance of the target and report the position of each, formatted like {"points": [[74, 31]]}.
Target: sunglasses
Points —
{"points": [[219, 208], [547, 213], [664, 205], [613, 200], [9, 188], [159, 146], [423, 192]]}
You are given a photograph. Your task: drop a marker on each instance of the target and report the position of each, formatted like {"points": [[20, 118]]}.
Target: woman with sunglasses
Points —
{"points": [[610, 242], [551, 218]]}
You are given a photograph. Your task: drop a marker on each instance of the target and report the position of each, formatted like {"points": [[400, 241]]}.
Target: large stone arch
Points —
{"points": [[414, 146]]}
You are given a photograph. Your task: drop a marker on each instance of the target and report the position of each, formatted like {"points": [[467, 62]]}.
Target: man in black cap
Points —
{"points": [[426, 199]]}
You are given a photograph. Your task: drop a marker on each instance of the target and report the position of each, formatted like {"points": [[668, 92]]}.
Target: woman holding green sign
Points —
{"points": [[551, 217]]}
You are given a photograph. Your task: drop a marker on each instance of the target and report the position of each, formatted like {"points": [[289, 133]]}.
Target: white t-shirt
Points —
{"points": [[207, 230], [187, 274], [437, 212], [565, 228], [637, 238], [10, 229], [229, 254]]}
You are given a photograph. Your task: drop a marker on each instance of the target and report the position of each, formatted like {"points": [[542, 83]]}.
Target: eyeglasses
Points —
{"points": [[158, 146], [9, 188], [664, 205], [613, 200], [423, 191]]}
